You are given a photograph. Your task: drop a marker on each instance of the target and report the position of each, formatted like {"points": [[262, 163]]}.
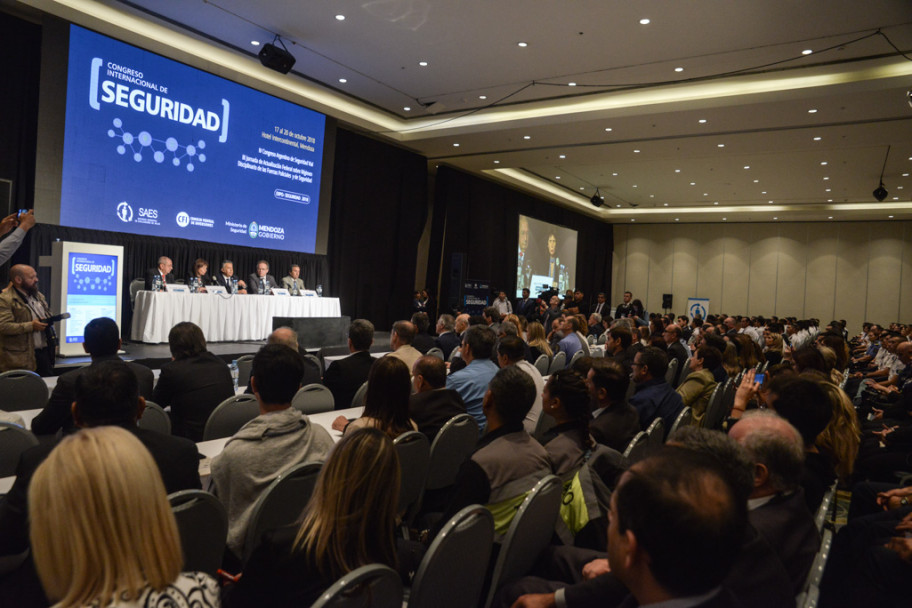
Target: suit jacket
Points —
{"points": [[193, 387], [344, 377], [253, 283], [169, 278], [603, 309], [17, 348], [788, 526], [176, 457], [446, 342], [423, 343], [289, 283], [677, 351], [432, 409], [616, 426], [220, 280], [524, 309], [57, 414]]}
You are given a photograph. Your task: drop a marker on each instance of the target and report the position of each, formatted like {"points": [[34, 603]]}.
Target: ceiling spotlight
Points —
{"points": [[527, 137], [562, 156], [343, 80], [679, 69], [571, 84], [423, 64], [812, 111], [482, 97], [909, 97], [644, 21], [597, 199], [407, 109], [255, 42], [496, 162], [880, 193], [702, 121], [522, 44], [340, 17], [806, 52]]}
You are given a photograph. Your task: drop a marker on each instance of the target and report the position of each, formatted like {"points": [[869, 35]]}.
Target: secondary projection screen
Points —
{"points": [[546, 258], [155, 147]]}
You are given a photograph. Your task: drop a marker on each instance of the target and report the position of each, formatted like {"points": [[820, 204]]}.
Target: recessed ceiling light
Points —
{"points": [[665, 204], [255, 42], [720, 145], [899, 187], [905, 175], [582, 188], [715, 202], [614, 174], [747, 166], [522, 44], [764, 192], [340, 17], [407, 109], [482, 97], [636, 151], [644, 21], [826, 178], [829, 200], [562, 156], [343, 80], [895, 198], [829, 217], [557, 177], [632, 220], [756, 181], [823, 163], [818, 138], [455, 145], [812, 111], [693, 183], [706, 194], [619, 206], [423, 64], [652, 196], [679, 69], [677, 219], [608, 129], [828, 190], [724, 219], [769, 202], [527, 137], [571, 84], [806, 52], [775, 218], [634, 185], [677, 170], [702, 121], [890, 216], [496, 162]]}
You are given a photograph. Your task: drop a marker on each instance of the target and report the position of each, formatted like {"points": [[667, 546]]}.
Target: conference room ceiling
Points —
{"points": [[750, 128]]}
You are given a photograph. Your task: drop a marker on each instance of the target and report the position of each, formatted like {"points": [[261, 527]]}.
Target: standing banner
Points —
{"points": [[697, 307], [475, 296]]}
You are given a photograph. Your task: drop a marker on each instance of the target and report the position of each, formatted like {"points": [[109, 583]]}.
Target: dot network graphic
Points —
{"points": [[137, 144]]}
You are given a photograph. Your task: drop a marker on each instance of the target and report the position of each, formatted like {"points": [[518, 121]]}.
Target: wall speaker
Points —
{"points": [[276, 58], [666, 300]]}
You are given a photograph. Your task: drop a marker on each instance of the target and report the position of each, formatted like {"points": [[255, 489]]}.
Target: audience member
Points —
{"points": [[162, 271], [525, 306], [286, 336], [618, 343], [423, 341], [349, 522], [401, 343], [345, 376], [102, 530], [654, 397], [386, 403], [101, 340], [538, 343], [625, 308], [511, 352], [23, 337], [672, 336], [698, 386], [502, 304], [9, 245], [446, 339], [570, 343], [432, 404], [276, 440], [193, 383], [471, 382], [614, 422]]}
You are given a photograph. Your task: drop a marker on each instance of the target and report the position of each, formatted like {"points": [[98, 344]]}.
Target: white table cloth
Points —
{"points": [[223, 318]]}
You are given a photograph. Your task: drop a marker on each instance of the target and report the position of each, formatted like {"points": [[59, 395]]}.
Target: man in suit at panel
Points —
{"points": [[293, 282], [446, 339], [225, 277], [261, 281], [101, 340], [163, 270], [345, 376], [432, 404]]}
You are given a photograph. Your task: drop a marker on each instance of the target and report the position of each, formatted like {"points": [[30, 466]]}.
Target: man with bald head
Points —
{"points": [[776, 506], [163, 270], [23, 342], [401, 343]]}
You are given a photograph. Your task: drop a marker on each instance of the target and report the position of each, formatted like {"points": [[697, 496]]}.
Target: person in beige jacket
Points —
{"points": [[698, 386], [21, 333]]}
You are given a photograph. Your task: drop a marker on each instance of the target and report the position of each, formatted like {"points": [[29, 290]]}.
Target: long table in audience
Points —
{"points": [[223, 318], [212, 448]]}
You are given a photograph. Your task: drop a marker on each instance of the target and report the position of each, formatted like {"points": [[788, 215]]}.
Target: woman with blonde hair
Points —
{"points": [[102, 531], [348, 523], [842, 436], [538, 342], [773, 349]]}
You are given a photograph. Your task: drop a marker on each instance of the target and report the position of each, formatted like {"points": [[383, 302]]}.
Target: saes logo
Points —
{"points": [[253, 229], [125, 212], [183, 219]]}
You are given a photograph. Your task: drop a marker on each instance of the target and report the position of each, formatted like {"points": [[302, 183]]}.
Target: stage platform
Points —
{"points": [[155, 355]]}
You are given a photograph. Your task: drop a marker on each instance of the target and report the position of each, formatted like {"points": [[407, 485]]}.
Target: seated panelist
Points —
{"points": [[201, 274], [293, 282], [261, 281], [162, 270], [225, 277]]}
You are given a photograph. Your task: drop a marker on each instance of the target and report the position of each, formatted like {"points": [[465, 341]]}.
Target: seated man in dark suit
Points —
{"points": [[106, 393], [447, 339], [101, 340], [672, 336], [654, 397], [345, 376], [432, 404], [163, 271], [423, 341], [261, 281], [225, 277], [614, 422]]}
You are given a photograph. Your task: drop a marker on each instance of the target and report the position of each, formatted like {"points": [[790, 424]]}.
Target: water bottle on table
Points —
{"points": [[234, 374]]}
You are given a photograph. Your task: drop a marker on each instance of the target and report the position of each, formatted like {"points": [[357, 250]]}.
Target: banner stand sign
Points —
{"points": [[697, 307]]}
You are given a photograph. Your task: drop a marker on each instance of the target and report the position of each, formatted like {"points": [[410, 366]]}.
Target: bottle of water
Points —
{"points": [[233, 286], [156, 282], [234, 374], [194, 285], [319, 290], [262, 284]]}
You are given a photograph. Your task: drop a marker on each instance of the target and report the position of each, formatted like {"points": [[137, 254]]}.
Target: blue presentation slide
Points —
{"points": [[158, 148], [91, 291]]}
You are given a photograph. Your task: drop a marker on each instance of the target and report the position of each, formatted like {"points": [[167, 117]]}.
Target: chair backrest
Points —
{"points": [[281, 503], [203, 526], [414, 459], [316, 360], [245, 365], [313, 399], [373, 586], [230, 415], [823, 510], [453, 354], [358, 399], [542, 364], [135, 286], [13, 441], [637, 445], [672, 372], [452, 445], [154, 418], [559, 361], [656, 433], [452, 572], [528, 535], [684, 419], [602, 339], [22, 390], [597, 353], [435, 352], [715, 410], [544, 424], [590, 339], [577, 355], [682, 373]]}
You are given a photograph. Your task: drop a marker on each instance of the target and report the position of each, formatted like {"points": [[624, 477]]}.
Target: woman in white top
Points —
{"points": [[102, 530]]}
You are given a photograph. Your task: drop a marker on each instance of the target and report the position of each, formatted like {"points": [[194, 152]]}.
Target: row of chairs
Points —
{"points": [[824, 519], [22, 390], [654, 435]]}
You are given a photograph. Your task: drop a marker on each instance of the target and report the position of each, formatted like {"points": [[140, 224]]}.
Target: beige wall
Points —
{"points": [[844, 270]]}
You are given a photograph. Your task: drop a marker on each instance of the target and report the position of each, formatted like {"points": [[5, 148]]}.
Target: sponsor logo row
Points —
{"points": [[143, 215]]}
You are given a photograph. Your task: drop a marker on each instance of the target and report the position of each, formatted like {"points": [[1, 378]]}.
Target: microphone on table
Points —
{"points": [[55, 318]]}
